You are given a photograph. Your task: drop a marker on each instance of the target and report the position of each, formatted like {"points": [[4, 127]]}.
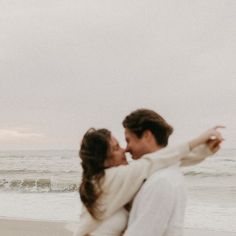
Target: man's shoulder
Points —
{"points": [[170, 175]]}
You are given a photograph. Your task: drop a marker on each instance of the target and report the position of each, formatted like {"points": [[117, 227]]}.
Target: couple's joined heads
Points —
{"points": [[145, 132]]}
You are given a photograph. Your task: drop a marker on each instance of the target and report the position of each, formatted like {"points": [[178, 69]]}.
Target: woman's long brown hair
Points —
{"points": [[93, 153]]}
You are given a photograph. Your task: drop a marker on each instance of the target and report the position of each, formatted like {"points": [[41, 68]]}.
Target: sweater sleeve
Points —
{"points": [[122, 183], [197, 155]]}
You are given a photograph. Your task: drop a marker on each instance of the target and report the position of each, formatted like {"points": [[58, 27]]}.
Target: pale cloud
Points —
{"points": [[18, 134]]}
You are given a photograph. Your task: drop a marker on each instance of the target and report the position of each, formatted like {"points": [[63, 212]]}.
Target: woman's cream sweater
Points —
{"points": [[121, 183]]}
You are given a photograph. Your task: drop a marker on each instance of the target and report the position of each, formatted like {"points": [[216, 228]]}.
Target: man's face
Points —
{"points": [[135, 146]]}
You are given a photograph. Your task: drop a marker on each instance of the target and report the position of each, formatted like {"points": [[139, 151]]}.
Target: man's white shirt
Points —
{"points": [[159, 207]]}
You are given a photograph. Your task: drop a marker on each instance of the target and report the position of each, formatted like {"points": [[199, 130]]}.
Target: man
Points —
{"points": [[158, 208]]}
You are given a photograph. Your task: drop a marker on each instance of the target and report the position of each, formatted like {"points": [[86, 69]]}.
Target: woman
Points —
{"points": [[109, 182]]}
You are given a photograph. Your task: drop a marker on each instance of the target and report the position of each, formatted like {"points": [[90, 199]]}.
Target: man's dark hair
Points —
{"points": [[144, 119]]}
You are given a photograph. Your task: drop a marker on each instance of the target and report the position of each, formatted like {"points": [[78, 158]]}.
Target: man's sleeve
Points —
{"points": [[152, 211]]}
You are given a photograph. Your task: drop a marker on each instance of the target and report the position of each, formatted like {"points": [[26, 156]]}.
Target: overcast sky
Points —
{"points": [[67, 65]]}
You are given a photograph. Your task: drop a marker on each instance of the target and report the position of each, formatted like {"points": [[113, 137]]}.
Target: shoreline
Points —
{"points": [[33, 227]]}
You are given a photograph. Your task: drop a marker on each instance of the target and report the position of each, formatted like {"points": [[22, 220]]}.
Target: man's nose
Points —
{"points": [[127, 149]]}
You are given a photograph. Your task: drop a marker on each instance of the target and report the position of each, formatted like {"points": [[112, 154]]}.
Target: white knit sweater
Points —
{"points": [[121, 183]]}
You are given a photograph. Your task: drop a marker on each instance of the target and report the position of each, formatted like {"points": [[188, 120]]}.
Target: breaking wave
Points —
{"points": [[38, 185]]}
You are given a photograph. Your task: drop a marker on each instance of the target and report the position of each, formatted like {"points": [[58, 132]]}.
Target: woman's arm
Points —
{"points": [[123, 182], [197, 155], [200, 152]]}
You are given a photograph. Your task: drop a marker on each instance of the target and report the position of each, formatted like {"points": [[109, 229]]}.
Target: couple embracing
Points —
{"points": [[147, 196]]}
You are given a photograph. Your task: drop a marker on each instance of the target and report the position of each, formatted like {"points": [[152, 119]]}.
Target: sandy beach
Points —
{"points": [[21, 227], [18, 227]]}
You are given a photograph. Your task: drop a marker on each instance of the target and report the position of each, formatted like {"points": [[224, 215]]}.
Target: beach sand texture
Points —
{"points": [[18, 227]]}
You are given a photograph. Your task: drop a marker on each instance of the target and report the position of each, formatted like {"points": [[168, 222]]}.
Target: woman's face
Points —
{"points": [[116, 154]]}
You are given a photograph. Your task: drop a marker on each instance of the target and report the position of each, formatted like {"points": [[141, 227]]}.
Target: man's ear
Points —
{"points": [[147, 134]]}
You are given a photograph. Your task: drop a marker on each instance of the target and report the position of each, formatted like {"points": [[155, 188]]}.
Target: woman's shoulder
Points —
{"points": [[129, 172]]}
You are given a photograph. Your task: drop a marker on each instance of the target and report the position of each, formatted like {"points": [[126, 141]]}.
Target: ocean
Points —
{"points": [[43, 185]]}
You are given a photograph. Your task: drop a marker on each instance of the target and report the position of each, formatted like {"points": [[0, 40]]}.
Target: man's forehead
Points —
{"points": [[129, 133]]}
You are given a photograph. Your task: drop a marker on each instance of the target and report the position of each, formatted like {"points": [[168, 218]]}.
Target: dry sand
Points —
{"points": [[21, 227], [17, 227]]}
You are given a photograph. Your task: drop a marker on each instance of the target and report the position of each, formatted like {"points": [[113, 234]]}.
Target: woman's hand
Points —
{"points": [[211, 137], [214, 145]]}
